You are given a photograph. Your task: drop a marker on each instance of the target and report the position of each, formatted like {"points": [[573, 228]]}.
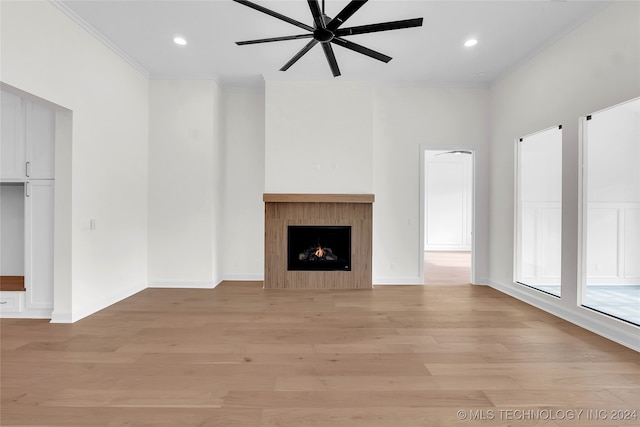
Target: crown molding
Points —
{"points": [[99, 36]]}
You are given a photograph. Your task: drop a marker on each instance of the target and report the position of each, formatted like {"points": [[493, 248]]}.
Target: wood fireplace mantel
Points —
{"points": [[318, 198], [282, 210]]}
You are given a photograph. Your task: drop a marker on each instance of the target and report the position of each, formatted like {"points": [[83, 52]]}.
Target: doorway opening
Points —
{"points": [[447, 215]]}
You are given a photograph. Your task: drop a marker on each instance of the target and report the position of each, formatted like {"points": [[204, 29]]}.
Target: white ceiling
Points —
{"points": [[508, 33]]}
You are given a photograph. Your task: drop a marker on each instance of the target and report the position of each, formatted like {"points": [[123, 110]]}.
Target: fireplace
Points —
{"points": [[318, 248], [297, 225]]}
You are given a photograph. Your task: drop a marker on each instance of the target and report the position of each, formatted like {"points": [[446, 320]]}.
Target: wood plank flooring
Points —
{"points": [[447, 267], [238, 355]]}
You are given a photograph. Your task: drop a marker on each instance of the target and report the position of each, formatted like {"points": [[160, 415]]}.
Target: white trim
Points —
{"points": [[435, 84], [517, 193], [398, 281], [235, 87], [189, 77], [99, 36], [474, 206], [216, 281], [58, 317], [243, 278], [95, 306], [516, 214], [26, 314], [181, 284], [581, 292], [14, 307], [601, 324]]}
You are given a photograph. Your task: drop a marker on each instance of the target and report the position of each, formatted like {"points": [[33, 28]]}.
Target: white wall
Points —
{"points": [[182, 184], [206, 179], [593, 67], [448, 200], [404, 120], [243, 186], [345, 137], [318, 137], [219, 171], [45, 54]]}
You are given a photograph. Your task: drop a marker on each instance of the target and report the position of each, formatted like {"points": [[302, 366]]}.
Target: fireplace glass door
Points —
{"points": [[318, 248]]}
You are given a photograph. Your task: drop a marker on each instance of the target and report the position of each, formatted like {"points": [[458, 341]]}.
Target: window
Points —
{"points": [[611, 212], [539, 210]]}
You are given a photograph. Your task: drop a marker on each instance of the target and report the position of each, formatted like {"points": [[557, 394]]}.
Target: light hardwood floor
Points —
{"points": [[238, 355], [447, 267]]}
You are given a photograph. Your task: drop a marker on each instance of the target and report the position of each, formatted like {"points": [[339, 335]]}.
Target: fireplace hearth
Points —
{"points": [[318, 248]]}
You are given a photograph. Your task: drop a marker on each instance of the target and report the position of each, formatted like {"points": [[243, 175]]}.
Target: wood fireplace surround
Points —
{"points": [[282, 210]]}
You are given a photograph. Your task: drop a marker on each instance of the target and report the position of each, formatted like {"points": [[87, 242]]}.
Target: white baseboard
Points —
{"points": [[92, 307], [397, 281], [610, 328], [61, 317], [95, 306], [27, 314], [182, 284], [243, 277]]}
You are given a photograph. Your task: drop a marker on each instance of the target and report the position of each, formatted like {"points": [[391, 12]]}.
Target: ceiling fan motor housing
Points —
{"points": [[323, 34]]}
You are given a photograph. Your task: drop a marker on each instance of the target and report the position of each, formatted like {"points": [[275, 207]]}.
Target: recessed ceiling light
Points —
{"points": [[180, 41], [471, 42]]}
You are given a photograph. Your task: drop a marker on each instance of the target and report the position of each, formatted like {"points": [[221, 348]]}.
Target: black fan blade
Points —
{"points": [[299, 55], [274, 14], [315, 12], [275, 39], [345, 14], [361, 49], [383, 26], [331, 59]]}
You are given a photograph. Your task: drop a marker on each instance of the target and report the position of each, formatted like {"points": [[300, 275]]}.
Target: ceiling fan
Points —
{"points": [[328, 31]]}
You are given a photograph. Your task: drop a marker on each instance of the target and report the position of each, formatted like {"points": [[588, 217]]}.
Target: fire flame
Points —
{"points": [[320, 252]]}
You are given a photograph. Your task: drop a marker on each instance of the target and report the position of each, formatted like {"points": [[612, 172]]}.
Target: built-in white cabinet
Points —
{"points": [[11, 302], [27, 189], [12, 147], [39, 141], [39, 244], [28, 139]]}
